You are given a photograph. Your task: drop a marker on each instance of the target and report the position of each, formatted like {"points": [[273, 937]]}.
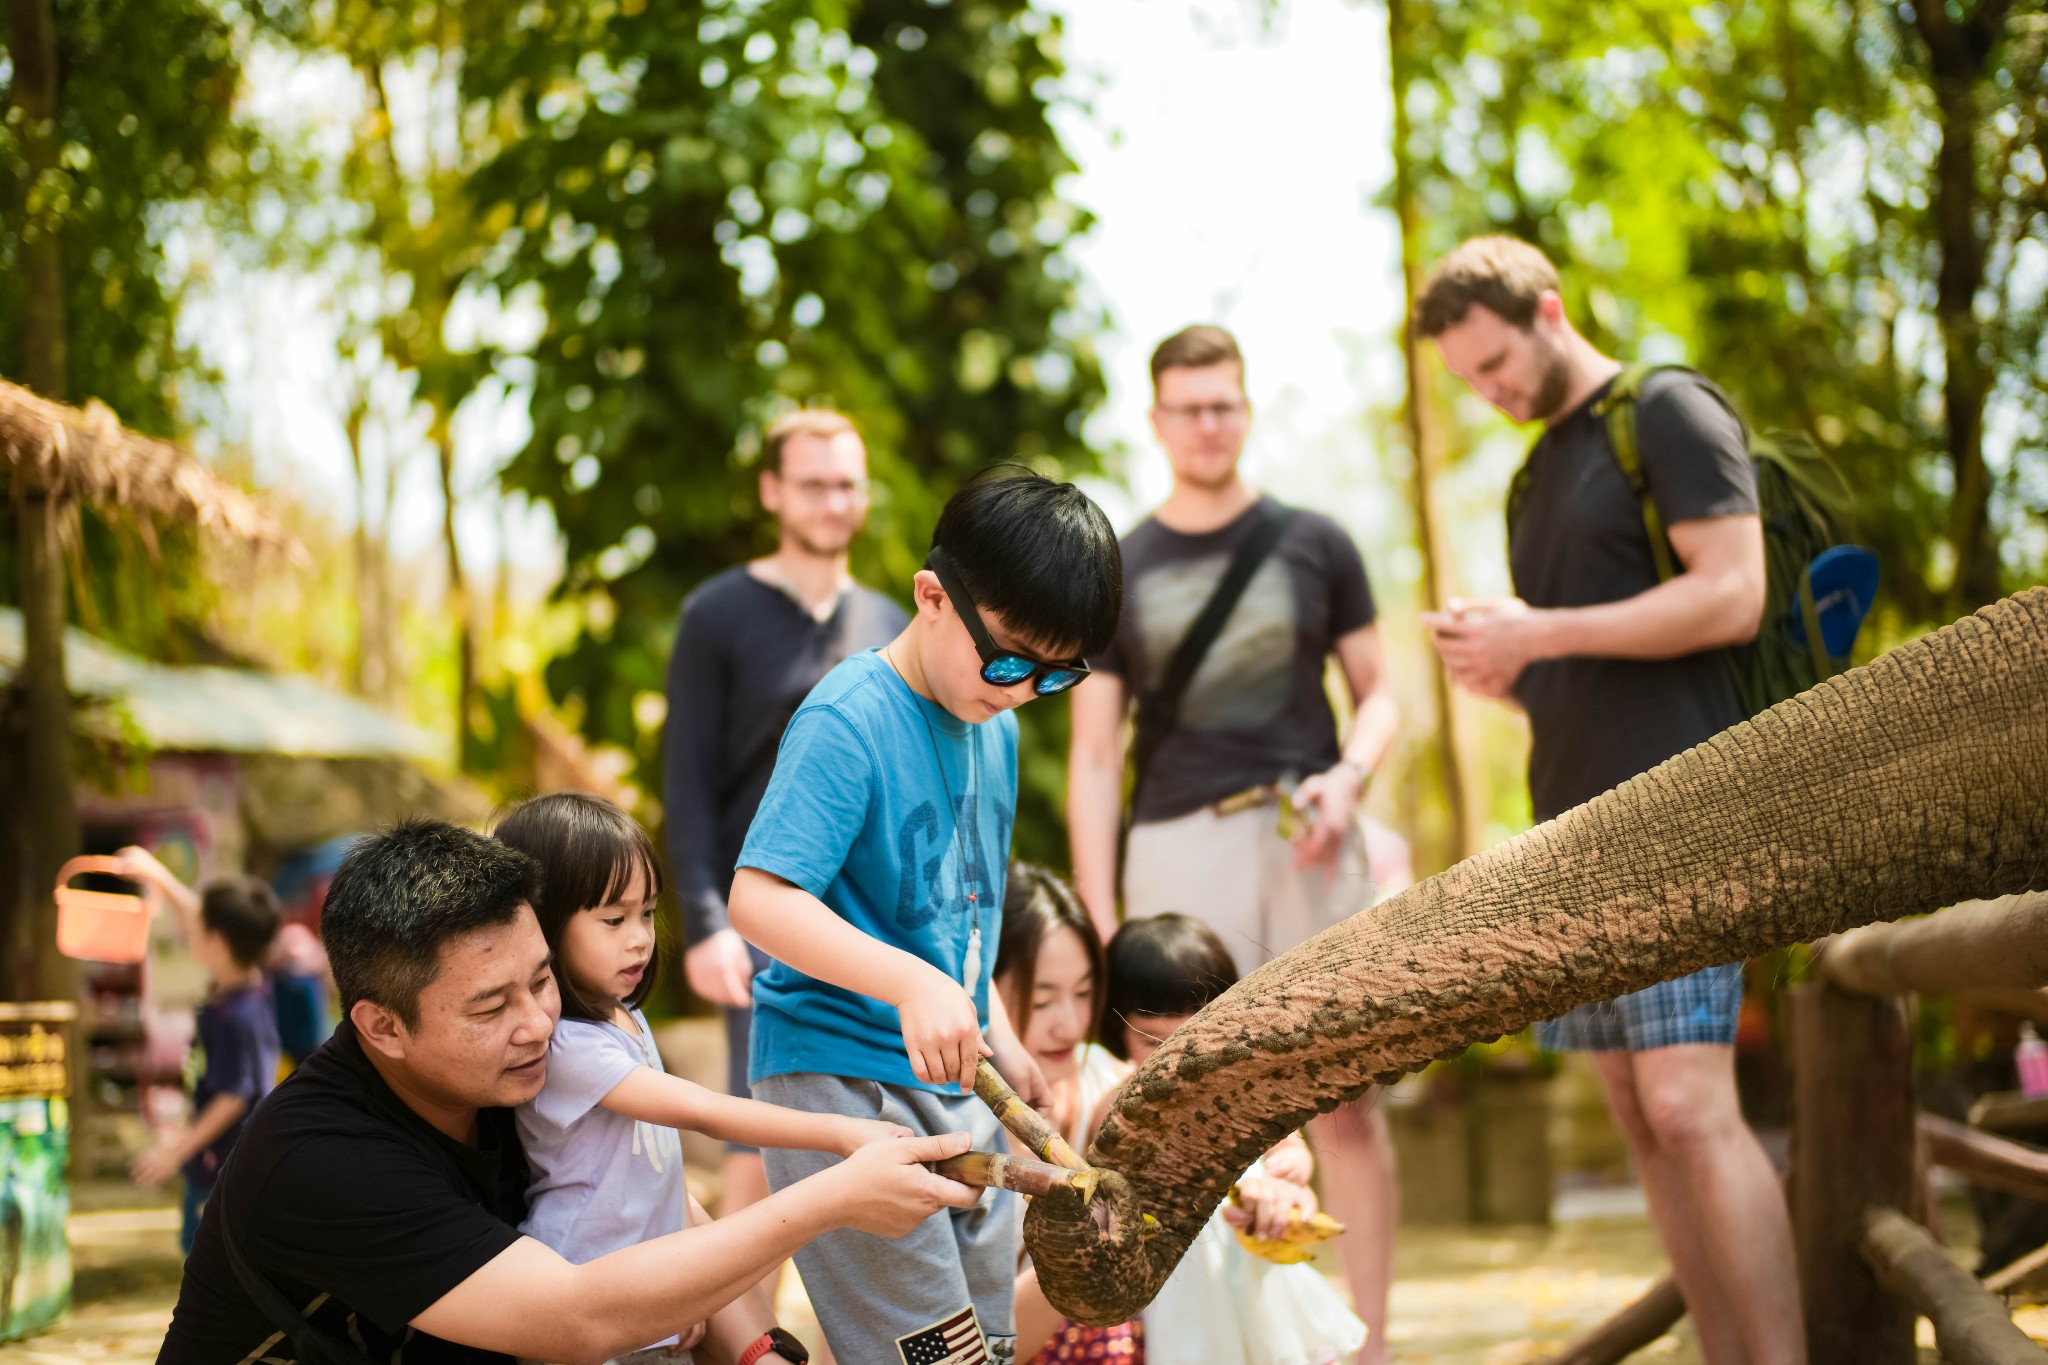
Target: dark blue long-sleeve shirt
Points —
{"points": [[746, 656]]}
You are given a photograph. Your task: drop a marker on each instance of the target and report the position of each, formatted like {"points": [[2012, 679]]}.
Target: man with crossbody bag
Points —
{"points": [[1243, 802]]}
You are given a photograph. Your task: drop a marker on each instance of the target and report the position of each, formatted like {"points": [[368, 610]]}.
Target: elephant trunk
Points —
{"points": [[1902, 787]]}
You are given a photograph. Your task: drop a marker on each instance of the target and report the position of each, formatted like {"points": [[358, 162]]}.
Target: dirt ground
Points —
{"points": [[1462, 1296]]}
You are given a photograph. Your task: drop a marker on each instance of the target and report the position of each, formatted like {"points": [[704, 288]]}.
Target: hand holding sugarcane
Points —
{"points": [[1059, 1168]]}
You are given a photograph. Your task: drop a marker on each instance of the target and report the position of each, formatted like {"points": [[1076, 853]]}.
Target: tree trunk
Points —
{"points": [[1426, 448], [1885, 791], [1853, 1146], [2002, 942], [1957, 54], [44, 818], [458, 600]]}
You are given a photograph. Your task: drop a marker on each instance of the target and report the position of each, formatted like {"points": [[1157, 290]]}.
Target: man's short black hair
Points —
{"points": [[398, 896], [243, 911], [1039, 554]]}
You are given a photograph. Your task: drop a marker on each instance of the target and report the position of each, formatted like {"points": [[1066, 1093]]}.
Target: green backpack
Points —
{"points": [[1806, 507]]}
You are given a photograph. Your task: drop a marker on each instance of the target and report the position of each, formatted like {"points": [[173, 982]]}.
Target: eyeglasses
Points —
{"points": [[1191, 414], [820, 490], [1000, 667]]}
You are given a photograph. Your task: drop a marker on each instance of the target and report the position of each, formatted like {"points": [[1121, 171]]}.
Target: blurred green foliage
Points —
{"points": [[1838, 209], [725, 208]]}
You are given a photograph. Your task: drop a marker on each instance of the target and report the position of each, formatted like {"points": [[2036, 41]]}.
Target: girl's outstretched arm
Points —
{"points": [[656, 1097]]}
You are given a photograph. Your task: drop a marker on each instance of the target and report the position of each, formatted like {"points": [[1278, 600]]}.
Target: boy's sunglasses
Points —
{"points": [[1000, 667]]}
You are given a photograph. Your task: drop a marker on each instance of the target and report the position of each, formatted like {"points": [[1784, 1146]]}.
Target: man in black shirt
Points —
{"points": [[378, 1190], [752, 644], [1617, 672], [1255, 732]]}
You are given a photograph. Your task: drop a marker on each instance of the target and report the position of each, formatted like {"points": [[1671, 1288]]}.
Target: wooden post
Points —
{"points": [[1853, 1143]]}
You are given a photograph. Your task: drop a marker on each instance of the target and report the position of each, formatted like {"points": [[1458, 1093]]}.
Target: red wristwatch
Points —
{"points": [[781, 1343]]}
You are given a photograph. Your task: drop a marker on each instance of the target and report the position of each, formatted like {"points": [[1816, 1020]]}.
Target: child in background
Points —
{"points": [[873, 876], [1222, 1305], [1049, 973], [601, 1135], [229, 928]]}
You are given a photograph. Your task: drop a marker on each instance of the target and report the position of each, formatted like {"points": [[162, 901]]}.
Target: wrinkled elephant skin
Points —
{"points": [[1914, 783]]}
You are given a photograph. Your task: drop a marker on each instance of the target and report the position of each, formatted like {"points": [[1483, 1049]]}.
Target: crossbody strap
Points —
{"points": [[1158, 711], [311, 1345]]}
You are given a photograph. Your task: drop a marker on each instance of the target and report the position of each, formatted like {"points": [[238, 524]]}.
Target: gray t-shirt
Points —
{"points": [[1578, 540], [1255, 711], [601, 1181]]}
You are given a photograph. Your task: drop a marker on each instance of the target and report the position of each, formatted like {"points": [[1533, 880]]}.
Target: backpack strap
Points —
{"points": [[1618, 408]]}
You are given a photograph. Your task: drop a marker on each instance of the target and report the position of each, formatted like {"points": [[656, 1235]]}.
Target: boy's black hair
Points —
{"points": [[1034, 903], [399, 895], [243, 911], [1164, 965], [588, 850], [1037, 553]]}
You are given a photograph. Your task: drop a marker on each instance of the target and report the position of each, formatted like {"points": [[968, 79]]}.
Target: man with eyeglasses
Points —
{"points": [[752, 644], [1244, 801]]}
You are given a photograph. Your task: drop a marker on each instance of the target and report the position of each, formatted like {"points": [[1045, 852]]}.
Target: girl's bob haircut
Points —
{"points": [[588, 850], [1164, 966], [1035, 903]]}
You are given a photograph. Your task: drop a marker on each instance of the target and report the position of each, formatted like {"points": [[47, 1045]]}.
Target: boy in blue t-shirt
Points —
{"points": [[873, 875]]}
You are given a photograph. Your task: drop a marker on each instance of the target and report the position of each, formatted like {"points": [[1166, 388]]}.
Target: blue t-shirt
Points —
{"points": [[238, 1040], [858, 815]]}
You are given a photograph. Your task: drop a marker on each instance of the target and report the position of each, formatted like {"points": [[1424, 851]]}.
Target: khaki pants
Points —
{"points": [[1237, 875]]}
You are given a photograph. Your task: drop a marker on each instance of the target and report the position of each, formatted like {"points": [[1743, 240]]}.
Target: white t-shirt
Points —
{"points": [[601, 1181]]}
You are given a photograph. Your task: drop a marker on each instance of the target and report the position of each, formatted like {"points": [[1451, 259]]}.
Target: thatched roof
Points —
{"points": [[89, 456]]}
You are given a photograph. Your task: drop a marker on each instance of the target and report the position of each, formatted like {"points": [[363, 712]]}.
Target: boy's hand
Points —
{"points": [[1015, 1064], [941, 1031], [688, 1337], [885, 1188], [155, 1167], [138, 864], [849, 1134]]}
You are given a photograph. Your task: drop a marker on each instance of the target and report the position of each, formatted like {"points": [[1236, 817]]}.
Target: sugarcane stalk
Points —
{"points": [[984, 1170], [1024, 1123]]}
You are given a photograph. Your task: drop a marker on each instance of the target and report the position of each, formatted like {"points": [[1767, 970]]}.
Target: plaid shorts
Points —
{"points": [[1700, 1008]]}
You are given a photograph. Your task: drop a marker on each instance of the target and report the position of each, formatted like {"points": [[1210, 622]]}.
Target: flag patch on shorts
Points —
{"points": [[956, 1341]]}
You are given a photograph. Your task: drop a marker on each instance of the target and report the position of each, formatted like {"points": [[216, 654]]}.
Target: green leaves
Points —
{"points": [[725, 208]]}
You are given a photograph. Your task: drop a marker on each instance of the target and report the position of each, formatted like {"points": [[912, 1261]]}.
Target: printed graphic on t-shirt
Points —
{"points": [[956, 1341], [1247, 676], [934, 881]]}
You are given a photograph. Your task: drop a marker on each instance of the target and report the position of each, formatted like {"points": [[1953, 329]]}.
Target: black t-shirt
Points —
{"points": [[1255, 710], [746, 656], [1579, 540], [337, 1188]]}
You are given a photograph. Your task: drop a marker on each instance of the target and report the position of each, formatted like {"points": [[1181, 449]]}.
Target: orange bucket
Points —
{"points": [[101, 926]]}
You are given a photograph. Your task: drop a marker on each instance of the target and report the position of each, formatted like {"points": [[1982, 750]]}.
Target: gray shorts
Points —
{"points": [[878, 1300]]}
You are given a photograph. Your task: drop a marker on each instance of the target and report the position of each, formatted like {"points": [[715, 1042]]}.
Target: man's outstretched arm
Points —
{"points": [[528, 1301]]}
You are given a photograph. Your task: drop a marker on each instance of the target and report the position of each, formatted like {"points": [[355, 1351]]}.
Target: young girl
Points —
{"points": [[601, 1135], [1049, 974], [1222, 1305]]}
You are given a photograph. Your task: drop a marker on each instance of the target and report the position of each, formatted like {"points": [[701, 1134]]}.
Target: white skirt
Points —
{"points": [[1224, 1306]]}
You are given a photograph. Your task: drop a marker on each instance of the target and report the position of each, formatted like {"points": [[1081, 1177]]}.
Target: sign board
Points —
{"points": [[35, 1148]]}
